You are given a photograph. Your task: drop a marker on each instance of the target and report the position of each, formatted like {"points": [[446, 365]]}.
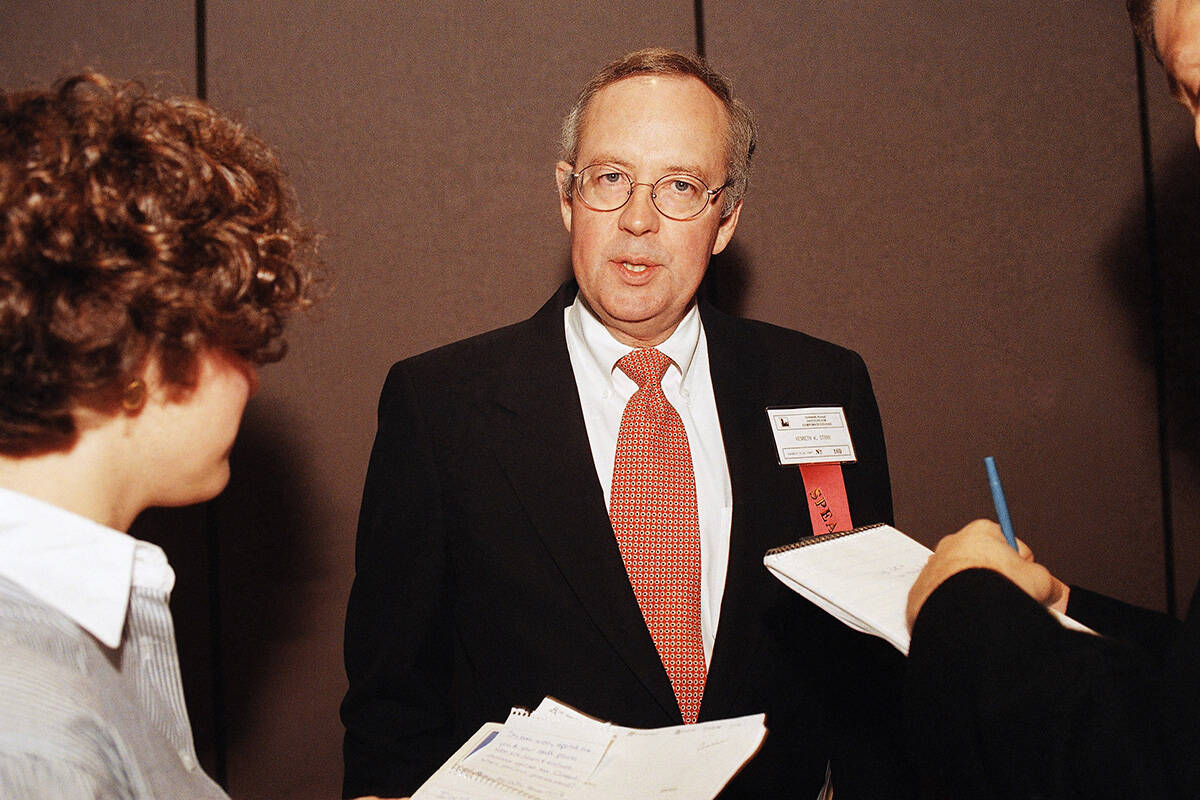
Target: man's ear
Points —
{"points": [[562, 178], [725, 229]]}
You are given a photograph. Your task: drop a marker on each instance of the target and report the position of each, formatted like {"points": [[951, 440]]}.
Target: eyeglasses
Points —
{"points": [[679, 196]]}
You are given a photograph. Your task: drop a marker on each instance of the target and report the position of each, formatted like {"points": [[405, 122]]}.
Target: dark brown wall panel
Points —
{"points": [[423, 138], [949, 188], [153, 42]]}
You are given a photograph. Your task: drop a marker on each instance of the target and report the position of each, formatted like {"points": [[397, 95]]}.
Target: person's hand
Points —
{"points": [[982, 544]]}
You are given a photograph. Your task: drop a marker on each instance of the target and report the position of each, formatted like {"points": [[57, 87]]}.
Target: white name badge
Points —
{"points": [[811, 435]]}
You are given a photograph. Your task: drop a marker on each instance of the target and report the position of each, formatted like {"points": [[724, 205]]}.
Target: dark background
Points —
{"points": [[956, 190]]}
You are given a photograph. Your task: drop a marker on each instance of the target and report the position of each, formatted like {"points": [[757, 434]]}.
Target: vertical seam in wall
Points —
{"points": [[1157, 325], [220, 737], [201, 50], [698, 10]]}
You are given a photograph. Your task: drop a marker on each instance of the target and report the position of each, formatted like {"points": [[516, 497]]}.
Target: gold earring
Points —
{"points": [[134, 396]]}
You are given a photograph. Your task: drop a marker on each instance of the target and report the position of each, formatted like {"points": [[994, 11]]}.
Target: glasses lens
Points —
{"points": [[604, 188], [680, 196]]}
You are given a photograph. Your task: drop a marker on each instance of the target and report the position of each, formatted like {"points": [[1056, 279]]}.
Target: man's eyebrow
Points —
{"points": [[690, 169], [603, 158], [670, 169]]}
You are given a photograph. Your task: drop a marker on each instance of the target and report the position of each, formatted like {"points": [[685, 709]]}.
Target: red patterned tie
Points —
{"points": [[653, 511]]}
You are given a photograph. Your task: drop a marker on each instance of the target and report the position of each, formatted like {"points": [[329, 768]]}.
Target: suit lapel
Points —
{"points": [[539, 438], [743, 389]]}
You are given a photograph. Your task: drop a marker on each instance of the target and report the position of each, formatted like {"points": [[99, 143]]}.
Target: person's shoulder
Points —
{"points": [[49, 695], [471, 350], [33, 634], [498, 346], [766, 338], [56, 735]]}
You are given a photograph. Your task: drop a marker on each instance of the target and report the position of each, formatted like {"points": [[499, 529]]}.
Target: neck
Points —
{"points": [[87, 479], [633, 340], [648, 334]]}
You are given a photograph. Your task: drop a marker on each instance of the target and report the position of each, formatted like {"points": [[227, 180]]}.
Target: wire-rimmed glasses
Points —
{"points": [[678, 196]]}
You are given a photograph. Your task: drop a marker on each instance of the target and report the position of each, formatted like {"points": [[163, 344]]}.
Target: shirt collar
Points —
{"points": [[76, 566], [605, 351]]}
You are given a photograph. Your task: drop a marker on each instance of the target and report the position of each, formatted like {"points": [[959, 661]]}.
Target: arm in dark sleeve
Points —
{"points": [[1149, 630], [397, 650], [1002, 701]]}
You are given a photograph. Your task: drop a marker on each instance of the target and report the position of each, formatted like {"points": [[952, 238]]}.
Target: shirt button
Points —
{"points": [[189, 763]]}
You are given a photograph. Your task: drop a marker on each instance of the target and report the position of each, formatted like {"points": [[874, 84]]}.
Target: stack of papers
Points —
{"points": [[558, 753]]}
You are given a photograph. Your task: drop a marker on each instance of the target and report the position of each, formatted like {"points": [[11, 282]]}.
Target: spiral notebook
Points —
{"points": [[862, 577]]}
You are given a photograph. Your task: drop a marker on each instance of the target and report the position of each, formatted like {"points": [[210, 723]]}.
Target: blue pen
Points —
{"points": [[998, 500]]}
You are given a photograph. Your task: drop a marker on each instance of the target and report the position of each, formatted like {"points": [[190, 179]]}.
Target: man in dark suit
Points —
{"points": [[1004, 702], [489, 573]]}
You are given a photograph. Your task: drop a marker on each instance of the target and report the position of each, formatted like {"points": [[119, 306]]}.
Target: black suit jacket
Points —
{"points": [[1003, 702], [488, 574]]}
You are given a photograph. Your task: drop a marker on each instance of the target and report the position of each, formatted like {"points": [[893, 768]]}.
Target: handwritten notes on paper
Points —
{"points": [[557, 753], [538, 757]]}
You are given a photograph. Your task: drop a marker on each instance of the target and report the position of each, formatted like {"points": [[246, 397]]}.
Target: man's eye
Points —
{"points": [[610, 177], [682, 187]]}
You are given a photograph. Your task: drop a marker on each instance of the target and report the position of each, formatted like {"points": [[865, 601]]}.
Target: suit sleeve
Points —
{"points": [[1002, 701], [397, 651], [1149, 630]]}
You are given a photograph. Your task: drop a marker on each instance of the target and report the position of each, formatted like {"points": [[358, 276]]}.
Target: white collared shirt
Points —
{"points": [[604, 391], [121, 655], [78, 567]]}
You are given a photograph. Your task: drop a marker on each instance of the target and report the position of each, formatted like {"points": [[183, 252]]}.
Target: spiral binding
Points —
{"points": [[824, 537]]}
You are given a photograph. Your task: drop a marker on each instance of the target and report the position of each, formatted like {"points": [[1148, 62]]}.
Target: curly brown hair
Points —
{"points": [[133, 227]]}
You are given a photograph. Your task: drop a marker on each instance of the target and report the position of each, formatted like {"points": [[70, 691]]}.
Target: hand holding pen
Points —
{"points": [[985, 544]]}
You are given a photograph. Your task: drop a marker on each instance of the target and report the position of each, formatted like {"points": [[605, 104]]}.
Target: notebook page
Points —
{"points": [[861, 577]]}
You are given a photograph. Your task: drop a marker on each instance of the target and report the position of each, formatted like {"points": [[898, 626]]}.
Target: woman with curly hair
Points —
{"points": [[149, 256]]}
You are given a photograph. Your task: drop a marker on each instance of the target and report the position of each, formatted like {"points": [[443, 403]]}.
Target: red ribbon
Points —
{"points": [[826, 492]]}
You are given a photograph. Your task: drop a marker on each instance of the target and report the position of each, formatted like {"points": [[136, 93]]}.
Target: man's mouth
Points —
{"points": [[636, 265]]}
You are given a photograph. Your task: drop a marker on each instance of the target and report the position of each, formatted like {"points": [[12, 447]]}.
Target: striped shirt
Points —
{"points": [[91, 703]]}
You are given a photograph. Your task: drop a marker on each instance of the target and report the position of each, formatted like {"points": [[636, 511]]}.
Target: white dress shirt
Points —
{"points": [[604, 391], [91, 701], [78, 567]]}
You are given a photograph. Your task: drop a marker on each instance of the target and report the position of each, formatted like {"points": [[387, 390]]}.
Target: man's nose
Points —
{"points": [[639, 214]]}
